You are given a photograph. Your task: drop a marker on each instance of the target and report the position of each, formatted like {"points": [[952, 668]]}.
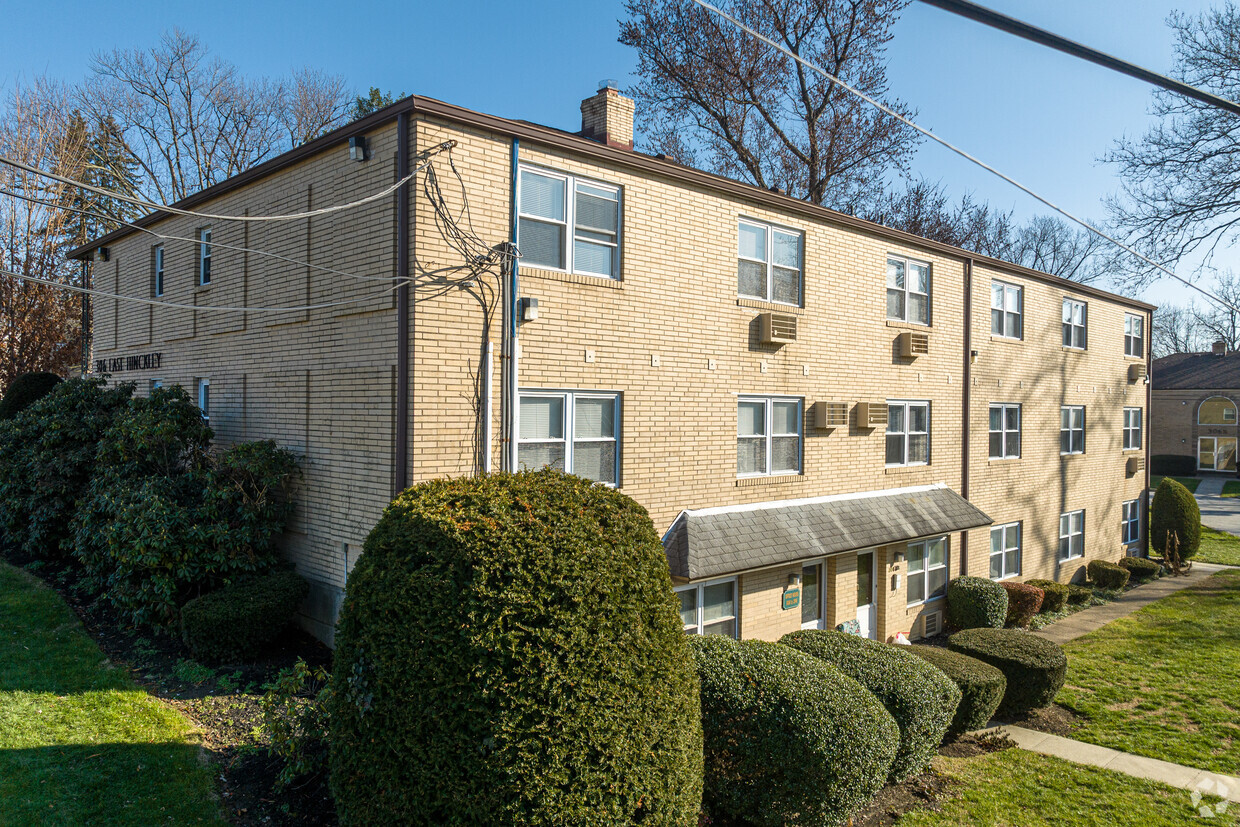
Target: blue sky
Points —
{"points": [[1042, 117]]}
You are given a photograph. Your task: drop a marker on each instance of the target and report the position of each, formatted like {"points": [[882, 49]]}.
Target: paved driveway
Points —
{"points": [[1220, 513]]}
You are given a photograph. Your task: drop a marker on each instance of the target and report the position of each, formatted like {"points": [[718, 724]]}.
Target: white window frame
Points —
{"points": [[569, 406], [821, 565], [924, 546], [1134, 335], [769, 436], [1130, 522], [1070, 430], [1068, 534], [769, 263], [908, 291], [700, 589], [1004, 288], [204, 256], [1070, 327], [908, 404], [203, 392], [571, 182], [1002, 553], [157, 288], [1004, 431], [1133, 432]]}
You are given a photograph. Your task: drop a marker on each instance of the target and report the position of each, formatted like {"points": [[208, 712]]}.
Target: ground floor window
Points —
{"points": [[813, 589], [1005, 551], [709, 608], [204, 397], [1131, 524], [573, 431], [1072, 535], [927, 570]]}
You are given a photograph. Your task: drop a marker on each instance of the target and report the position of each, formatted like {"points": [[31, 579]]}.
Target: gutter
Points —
{"points": [[511, 291], [1147, 501], [400, 477], [85, 318], [965, 393]]}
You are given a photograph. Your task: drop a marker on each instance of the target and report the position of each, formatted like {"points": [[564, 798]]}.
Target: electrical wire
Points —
{"points": [[425, 155], [962, 153]]}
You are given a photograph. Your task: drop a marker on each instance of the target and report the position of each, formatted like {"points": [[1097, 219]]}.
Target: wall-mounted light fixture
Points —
{"points": [[973, 354], [899, 555], [794, 579], [529, 309], [357, 148], [1147, 378]]}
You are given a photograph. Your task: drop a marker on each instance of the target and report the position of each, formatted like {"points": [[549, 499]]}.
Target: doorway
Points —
{"points": [[867, 604], [1216, 453]]}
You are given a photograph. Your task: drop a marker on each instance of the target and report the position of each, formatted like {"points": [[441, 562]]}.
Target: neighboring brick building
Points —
{"points": [[849, 407], [1193, 411]]}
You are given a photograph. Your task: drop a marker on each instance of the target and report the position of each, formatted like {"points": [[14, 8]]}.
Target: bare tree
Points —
{"points": [[1176, 331], [315, 104], [1218, 322], [713, 94], [923, 208], [1053, 246]]}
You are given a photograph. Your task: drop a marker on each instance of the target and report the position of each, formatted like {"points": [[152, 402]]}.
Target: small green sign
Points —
{"points": [[792, 598]]}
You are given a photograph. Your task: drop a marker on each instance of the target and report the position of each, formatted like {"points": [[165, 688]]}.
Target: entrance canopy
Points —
{"points": [[711, 542]]}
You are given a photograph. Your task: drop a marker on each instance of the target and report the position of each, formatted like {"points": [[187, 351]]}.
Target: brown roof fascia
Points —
{"points": [[558, 139]]}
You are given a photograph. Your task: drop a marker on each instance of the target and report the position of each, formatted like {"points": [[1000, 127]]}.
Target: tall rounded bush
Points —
{"points": [[1033, 666], [981, 686], [976, 602], [509, 651], [789, 739], [1024, 601], [1054, 595], [919, 697], [25, 391], [1175, 510]]}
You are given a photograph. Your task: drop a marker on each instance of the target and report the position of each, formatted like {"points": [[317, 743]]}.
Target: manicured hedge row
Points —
{"points": [[790, 739], [1173, 465], [1106, 575], [232, 623], [1054, 595], [976, 602], [1140, 568], [1034, 667], [920, 698], [981, 686], [1024, 601]]}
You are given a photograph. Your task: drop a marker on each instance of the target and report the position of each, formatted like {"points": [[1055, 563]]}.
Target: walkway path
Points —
{"points": [[1219, 513], [1079, 752], [1086, 620]]}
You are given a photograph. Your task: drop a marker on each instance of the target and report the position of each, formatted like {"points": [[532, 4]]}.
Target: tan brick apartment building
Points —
{"points": [[828, 418], [1193, 409]]}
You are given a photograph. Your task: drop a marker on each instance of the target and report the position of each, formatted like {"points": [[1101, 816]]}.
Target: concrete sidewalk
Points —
{"points": [[1137, 766], [1219, 513], [1087, 620]]}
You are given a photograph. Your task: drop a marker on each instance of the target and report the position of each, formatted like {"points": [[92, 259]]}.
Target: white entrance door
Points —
{"points": [[867, 605], [813, 592], [1216, 453]]}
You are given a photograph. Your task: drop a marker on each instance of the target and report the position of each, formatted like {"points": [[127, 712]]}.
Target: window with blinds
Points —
{"points": [[568, 224], [573, 431]]}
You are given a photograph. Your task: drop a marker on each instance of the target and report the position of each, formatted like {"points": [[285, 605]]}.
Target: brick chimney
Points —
{"points": [[608, 117], [1219, 349]]}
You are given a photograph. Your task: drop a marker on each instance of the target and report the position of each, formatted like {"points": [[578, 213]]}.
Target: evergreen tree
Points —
{"points": [[376, 100], [108, 164]]}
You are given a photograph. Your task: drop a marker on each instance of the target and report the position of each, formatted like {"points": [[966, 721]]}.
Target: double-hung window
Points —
{"points": [[1074, 320], [768, 436], [908, 290], [1134, 335], [927, 570], [1131, 522], [1072, 429], [204, 256], [908, 433], [204, 398], [573, 431], [1004, 551], [709, 608], [158, 279], [568, 223], [1072, 535], [769, 263], [1006, 310], [1132, 429], [1004, 431]]}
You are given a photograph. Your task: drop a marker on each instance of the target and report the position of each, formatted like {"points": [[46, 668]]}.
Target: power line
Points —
{"points": [[1042, 37], [962, 153], [425, 156]]}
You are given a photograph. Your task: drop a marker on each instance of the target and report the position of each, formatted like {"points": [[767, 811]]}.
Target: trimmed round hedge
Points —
{"points": [[789, 739], [25, 391], [1106, 575], [1078, 595], [509, 651], [1024, 601], [981, 686], [1054, 595], [1175, 510], [231, 623], [920, 698], [1140, 568], [976, 602], [1033, 666]]}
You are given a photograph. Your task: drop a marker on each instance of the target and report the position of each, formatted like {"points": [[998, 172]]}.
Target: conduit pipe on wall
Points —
{"points": [[512, 345], [400, 477]]}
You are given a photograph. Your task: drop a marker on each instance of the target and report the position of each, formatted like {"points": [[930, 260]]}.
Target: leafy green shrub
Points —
{"points": [[295, 720], [1140, 568], [1175, 510], [1106, 575], [248, 498], [25, 391], [1173, 465], [1024, 601], [919, 697], [981, 686], [1034, 667], [789, 738], [976, 602], [509, 651], [232, 623], [1054, 595], [1079, 595]]}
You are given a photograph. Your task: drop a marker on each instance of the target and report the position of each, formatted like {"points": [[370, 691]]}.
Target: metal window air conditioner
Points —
{"points": [[1135, 464], [871, 414], [932, 624], [1136, 372], [778, 328], [913, 344], [830, 414]]}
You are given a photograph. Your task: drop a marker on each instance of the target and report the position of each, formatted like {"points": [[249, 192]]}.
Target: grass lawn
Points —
{"points": [[1190, 483], [1024, 789], [1165, 681], [79, 742], [1231, 488], [1218, 547]]}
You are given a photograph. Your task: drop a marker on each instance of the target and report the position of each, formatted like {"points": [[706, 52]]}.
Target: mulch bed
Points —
{"points": [[1054, 719]]}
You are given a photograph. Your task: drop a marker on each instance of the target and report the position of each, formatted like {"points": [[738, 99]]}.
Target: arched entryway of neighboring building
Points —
{"points": [[1216, 452]]}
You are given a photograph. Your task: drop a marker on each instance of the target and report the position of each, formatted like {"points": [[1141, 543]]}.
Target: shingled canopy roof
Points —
{"points": [[712, 542], [1196, 371]]}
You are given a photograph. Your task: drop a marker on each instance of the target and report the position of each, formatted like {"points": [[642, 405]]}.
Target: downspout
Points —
{"points": [[512, 345], [85, 318], [403, 322], [965, 392], [1146, 502]]}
